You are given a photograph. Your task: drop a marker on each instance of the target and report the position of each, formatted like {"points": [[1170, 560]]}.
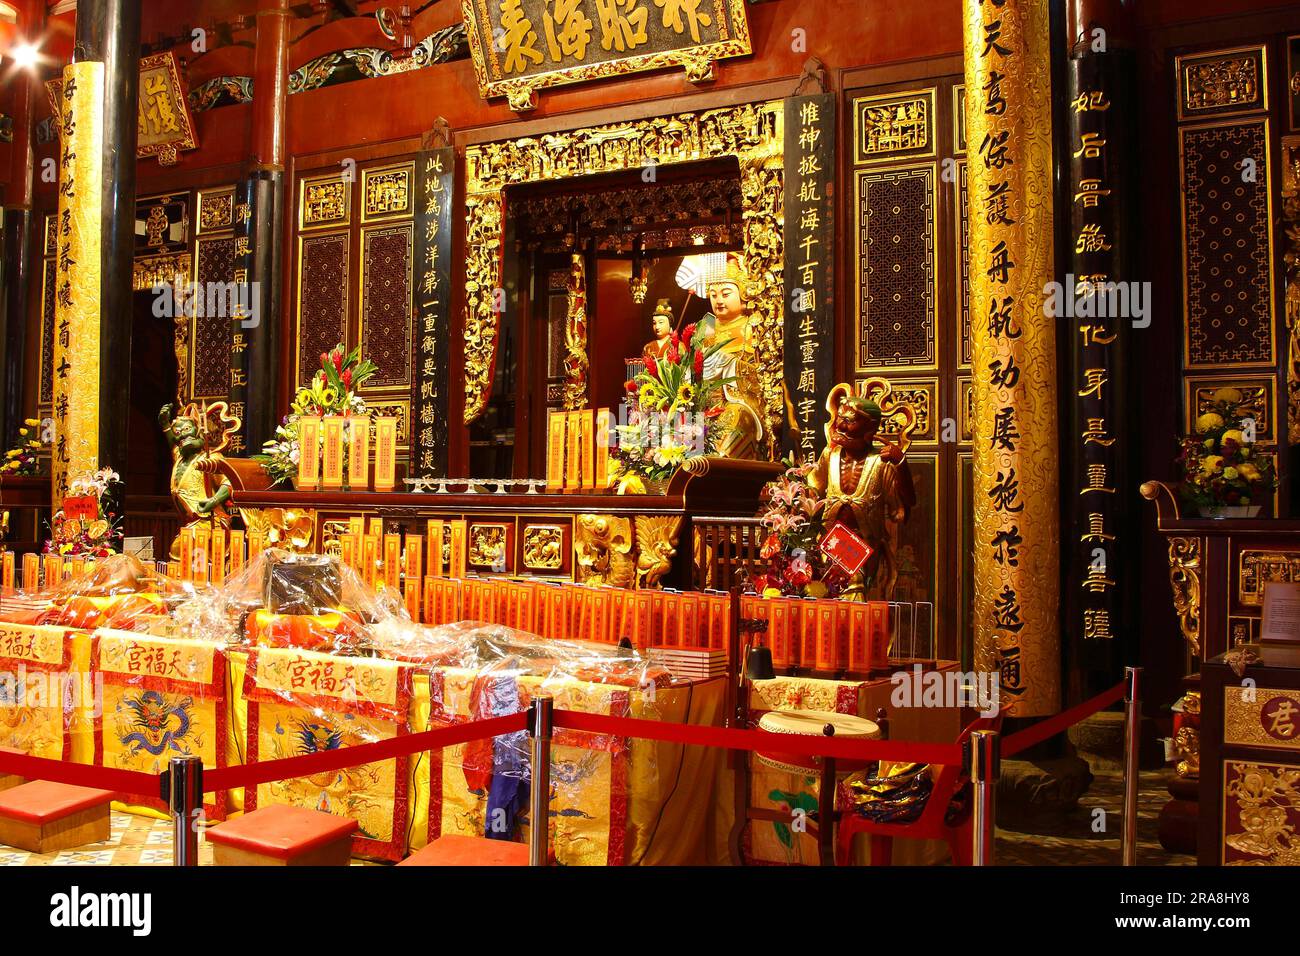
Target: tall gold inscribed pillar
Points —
{"points": [[1009, 129], [77, 277]]}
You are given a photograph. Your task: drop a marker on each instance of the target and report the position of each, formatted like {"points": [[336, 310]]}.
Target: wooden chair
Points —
{"points": [[931, 825]]}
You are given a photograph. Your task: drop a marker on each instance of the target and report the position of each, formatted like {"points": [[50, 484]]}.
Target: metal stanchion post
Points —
{"points": [[540, 724], [1132, 745], [184, 798], [986, 766]]}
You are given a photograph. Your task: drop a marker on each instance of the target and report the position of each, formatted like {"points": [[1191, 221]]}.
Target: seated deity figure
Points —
{"points": [[736, 361]]}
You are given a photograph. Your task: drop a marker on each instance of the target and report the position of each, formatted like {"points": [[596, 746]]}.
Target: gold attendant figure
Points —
{"points": [[662, 321], [867, 489]]}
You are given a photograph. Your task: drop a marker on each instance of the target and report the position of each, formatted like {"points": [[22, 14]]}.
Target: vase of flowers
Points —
{"points": [[792, 517], [333, 391], [673, 415], [1224, 474], [87, 537], [24, 460]]}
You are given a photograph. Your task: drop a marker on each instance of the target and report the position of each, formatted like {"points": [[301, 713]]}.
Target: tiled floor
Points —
{"points": [[1074, 842], [144, 841], [134, 841]]}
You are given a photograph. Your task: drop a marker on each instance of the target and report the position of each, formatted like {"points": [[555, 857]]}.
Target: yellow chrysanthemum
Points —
{"points": [[1211, 463], [1207, 421]]}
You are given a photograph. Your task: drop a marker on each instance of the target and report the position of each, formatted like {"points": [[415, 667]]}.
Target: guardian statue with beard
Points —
{"points": [[867, 486]]}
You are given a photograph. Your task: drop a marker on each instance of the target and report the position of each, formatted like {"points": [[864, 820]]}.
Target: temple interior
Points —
{"points": [[787, 432]]}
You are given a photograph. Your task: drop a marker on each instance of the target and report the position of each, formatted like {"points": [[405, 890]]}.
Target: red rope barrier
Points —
{"points": [[731, 739], [250, 775], [1052, 726], [80, 775], [230, 778]]}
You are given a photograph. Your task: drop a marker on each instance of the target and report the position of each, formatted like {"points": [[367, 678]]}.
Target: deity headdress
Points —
{"points": [[214, 422], [663, 307], [727, 267], [699, 272], [875, 397]]}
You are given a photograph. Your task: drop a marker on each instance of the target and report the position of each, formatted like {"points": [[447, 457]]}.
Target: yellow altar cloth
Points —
{"points": [[47, 692], [650, 803]]}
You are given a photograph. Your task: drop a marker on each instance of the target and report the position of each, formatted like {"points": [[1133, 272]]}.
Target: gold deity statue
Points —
{"points": [[197, 436], [868, 489], [662, 322], [735, 361]]}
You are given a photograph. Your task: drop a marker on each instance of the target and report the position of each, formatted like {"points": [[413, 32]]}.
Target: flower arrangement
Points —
{"points": [[674, 416], [792, 516], [23, 460], [333, 391], [1221, 468], [96, 537]]}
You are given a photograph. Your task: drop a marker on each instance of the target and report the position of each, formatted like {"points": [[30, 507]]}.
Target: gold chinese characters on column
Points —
{"points": [[77, 276], [1009, 131]]}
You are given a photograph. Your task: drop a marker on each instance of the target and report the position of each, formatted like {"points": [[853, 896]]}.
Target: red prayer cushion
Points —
{"points": [[44, 800], [281, 831], [454, 850]]}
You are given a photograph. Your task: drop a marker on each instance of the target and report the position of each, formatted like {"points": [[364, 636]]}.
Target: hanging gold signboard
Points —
{"points": [[77, 276], [1009, 132], [521, 46], [164, 126]]}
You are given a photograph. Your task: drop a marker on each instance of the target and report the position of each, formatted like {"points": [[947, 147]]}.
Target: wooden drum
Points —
{"points": [[813, 723]]}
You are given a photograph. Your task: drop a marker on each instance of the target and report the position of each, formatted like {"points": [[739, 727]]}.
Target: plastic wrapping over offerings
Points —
{"points": [[118, 591], [292, 655], [278, 599], [602, 786]]}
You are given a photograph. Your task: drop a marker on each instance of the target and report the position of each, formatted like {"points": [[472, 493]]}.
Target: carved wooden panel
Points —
{"points": [[387, 192], [46, 398], [895, 283], [324, 201], [322, 299], [1261, 807], [1258, 400], [894, 126], [1227, 245], [963, 264], [386, 304], [210, 335], [1222, 82], [216, 211]]}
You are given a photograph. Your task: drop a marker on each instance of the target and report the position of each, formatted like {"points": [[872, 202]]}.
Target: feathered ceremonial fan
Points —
{"points": [[696, 271]]}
